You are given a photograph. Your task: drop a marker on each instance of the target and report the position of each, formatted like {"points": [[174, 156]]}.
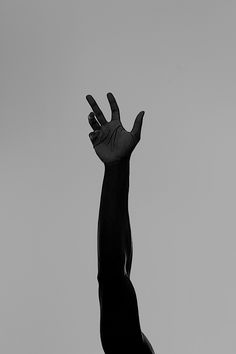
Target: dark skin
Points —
{"points": [[110, 140], [120, 329]]}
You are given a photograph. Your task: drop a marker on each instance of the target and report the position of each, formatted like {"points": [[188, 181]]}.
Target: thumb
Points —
{"points": [[138, 125]]}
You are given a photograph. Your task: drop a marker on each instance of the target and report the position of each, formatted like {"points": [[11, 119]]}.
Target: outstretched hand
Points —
{"points": [[110, 140]]}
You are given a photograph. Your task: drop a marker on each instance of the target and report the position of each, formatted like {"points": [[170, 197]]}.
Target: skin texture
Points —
{"points": [[120, 330]]}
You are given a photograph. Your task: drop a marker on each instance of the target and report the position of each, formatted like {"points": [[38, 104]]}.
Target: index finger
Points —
{"points": [[99, 115]]}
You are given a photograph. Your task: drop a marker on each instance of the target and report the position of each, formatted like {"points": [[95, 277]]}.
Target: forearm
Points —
{"points": [[113, 222]]}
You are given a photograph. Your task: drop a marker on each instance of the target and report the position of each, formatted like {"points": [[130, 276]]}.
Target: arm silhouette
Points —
{"points": [[120, 329]]}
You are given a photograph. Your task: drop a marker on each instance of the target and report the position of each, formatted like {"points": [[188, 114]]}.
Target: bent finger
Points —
{"points": [[93, 122]]}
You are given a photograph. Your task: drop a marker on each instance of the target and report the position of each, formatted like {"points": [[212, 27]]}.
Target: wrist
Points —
{"points": [[118, 163]]}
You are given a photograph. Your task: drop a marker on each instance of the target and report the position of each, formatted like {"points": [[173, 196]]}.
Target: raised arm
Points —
{"points": [[114, 145], [120, 329]]}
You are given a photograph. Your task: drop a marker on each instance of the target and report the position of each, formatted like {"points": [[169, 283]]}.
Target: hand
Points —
{"points": [[110, 140]]}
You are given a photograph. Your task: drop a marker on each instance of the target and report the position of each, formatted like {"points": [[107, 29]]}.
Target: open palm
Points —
{"points": [[110, 140]]}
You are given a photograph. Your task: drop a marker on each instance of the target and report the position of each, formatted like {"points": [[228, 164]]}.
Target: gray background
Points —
{"points": [[173, 59]]}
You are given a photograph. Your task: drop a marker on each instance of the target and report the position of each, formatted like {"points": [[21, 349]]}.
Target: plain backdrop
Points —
{"points": [[176, 61]]}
